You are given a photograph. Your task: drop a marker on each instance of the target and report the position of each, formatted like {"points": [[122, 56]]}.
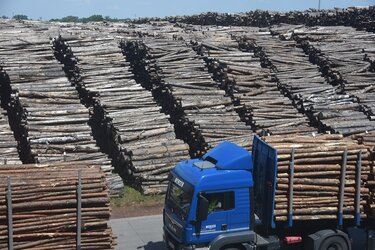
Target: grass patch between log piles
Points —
{"points": [[130, 196]]}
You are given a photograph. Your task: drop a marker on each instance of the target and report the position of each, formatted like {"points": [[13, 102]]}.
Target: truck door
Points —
{"points": [[220, 205]]}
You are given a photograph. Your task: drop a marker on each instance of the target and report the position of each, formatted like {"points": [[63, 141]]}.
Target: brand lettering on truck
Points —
{"points": [[211, 227], [179, 182]]}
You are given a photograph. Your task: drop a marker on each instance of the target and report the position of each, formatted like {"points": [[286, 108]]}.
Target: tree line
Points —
{"points": [[93, 18], [76, 19], [17, 17]]}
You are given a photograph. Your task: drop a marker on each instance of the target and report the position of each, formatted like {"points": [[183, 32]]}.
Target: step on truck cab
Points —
{"points": [[225, 200]]}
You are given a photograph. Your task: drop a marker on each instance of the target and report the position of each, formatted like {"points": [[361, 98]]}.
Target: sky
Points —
{"points": [[47, 9]]}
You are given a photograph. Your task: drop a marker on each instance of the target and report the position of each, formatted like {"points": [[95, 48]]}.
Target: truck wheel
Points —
{"points": [[334, 243]]}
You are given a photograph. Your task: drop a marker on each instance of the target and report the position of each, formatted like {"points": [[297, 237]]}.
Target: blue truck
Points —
{"points": [[225, 200]]}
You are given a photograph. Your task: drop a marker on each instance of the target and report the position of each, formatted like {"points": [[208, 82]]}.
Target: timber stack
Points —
{"points": [[317, 170], [358, 17], [368, 140], [251, 87], [202, 113], [44, 110], [50, 201], [148, 74], [8, 144], [128, 122], [324, 103], [344, 56]]}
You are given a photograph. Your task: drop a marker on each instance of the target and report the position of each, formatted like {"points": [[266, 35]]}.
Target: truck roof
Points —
{"points": [[232, 168], [230, 156]]}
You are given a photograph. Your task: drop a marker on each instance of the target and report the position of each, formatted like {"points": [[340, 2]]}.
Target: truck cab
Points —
{"points": [[209, 198], [225, 200]]}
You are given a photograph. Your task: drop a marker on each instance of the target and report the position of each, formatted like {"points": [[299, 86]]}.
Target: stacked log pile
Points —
{"points": [[345, 57], [325, 105], [44, 110], [8, 144], [128, 120], [319, 170], [202, 114], [358, 17], [251, 87], [44, 202], [368, 140], [149, 75]]}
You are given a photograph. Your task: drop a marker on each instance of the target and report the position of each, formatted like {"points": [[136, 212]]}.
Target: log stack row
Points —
{"points": [[44, 110], [319, 170], [358, 17], [344, 56], [45, 206], [148, 74], [128, 122], [8, 144], [326, 105], [252, 88], [203, 116]]}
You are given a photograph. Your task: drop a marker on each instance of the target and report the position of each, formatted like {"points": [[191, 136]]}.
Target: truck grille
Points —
{"points": [[174, 227]]}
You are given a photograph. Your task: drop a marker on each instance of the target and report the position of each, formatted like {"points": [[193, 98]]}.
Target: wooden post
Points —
{"points": [[358, 172], [10, 214], [290, 191], [342, 188], [79, 208]]}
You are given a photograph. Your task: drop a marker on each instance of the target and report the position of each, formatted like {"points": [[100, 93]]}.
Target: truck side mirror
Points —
{"points": [[202, 211]]}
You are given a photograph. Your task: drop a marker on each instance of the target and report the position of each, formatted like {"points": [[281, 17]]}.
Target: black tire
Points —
{"points": [[334, 243], [232, 247]]}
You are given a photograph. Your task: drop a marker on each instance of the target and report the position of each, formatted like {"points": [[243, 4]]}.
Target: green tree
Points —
{"points": [[20, 17], [69, 19], [4, 17], [110, 19], [94, 18]]}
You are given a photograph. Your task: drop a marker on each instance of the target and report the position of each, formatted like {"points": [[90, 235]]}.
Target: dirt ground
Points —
{"points": [[136, 210]]}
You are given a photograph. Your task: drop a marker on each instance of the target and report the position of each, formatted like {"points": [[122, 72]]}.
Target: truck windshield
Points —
{"points": [[179, 199]]}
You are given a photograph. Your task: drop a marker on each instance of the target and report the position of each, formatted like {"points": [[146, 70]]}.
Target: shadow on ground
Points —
{"points": [[154, 246]]}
